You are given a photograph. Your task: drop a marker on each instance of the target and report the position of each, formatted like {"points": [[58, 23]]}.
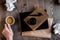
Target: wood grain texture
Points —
{"points": [[19, 8]]}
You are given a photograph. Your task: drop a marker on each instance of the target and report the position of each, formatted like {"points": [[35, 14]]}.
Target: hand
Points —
{"points": [[7, 32]]}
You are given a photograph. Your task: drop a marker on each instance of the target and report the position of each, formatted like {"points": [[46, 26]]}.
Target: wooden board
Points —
{"points": [[46, 33], [39, 19]]}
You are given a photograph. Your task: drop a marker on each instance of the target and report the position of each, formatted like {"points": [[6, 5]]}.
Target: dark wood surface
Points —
{"points": [[19, 8]]}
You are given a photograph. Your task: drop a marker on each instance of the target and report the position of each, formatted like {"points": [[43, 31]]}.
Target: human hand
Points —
{"points": [[7, 32]]}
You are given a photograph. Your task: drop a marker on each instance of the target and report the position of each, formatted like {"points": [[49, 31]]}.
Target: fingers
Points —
{"points": [[6, 27], [9, 26], [7, 31]]}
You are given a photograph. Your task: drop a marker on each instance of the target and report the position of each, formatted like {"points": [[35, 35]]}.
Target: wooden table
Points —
{"points": [[15, 27]]}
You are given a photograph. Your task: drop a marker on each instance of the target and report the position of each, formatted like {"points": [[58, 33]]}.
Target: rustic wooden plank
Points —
{"points": [[19, 8]]}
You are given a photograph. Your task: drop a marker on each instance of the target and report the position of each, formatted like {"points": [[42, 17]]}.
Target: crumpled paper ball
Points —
{"points": [[57, 28], [10, 4]]}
